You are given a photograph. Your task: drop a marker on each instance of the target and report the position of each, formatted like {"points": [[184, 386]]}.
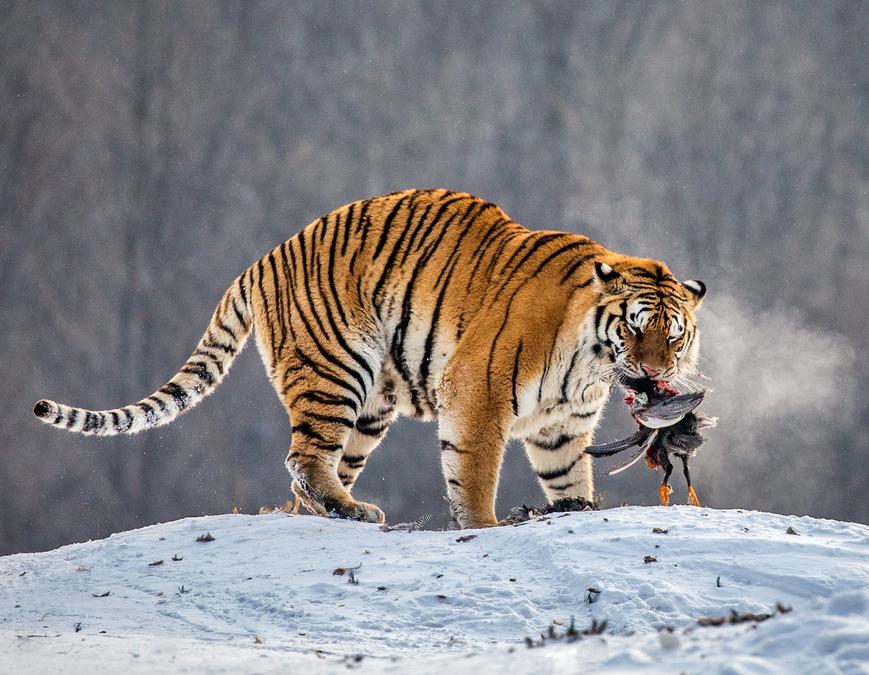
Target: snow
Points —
{"points": [[263, 596]]}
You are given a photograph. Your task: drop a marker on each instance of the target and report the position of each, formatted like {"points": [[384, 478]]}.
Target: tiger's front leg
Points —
{"points": [[562, 467], [472, 444]]}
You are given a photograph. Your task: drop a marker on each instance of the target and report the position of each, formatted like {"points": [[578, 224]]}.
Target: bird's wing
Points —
{"points": [[669, 411], [618, 468], [682, 442], [607, 449]]}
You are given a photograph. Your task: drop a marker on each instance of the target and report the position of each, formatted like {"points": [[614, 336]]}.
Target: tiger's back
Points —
{"points": [[427, 303]]}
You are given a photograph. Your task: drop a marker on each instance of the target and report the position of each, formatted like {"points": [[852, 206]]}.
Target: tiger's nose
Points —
{"points": [[651, 372]]}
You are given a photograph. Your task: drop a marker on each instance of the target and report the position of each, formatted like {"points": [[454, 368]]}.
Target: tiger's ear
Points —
{"points": [[696, 290], [608, 280]]}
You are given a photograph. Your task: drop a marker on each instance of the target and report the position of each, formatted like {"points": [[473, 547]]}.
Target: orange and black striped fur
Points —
{"points": [[433, 304]]}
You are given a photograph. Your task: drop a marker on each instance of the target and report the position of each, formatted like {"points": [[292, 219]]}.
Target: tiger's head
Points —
{"points": [[644, 320]]}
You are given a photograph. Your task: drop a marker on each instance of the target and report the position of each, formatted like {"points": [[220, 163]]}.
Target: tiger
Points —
{"points": [[436, 305]]}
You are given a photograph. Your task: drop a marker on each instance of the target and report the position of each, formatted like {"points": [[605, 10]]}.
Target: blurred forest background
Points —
{"points": [[151, 151]]}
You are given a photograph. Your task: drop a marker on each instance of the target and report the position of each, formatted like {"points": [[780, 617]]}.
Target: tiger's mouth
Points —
{"points": [[645, 385]]}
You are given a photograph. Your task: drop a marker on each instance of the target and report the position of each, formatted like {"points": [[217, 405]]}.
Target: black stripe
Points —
{"points": [[289, 385], [446, 446], [306, 429], [559, 488], [454, 482], [73, 414], [199, 369], [437, 220], [243, 291], [327, 447], [91, 422], [498, 337], [566, 381], [327, 399], [557, 473], [598, 313], [291, 291], [546, 364], [416, 230], [540, 241], [226, 329], [218, 363], [213, 344], [354, 461], [371, 431], [425, 363], [180, 395], [364, 223], [317, 368], [238, 314], [373, 425], [385, 227], [128, 420], [150, 416], [321, 226], [555, 254], [498, 251], [579, 262], [482, 249], [515, 376], [160, 403], [277, 349], [469, 216], [551, 443], [330, 270], [528, 238], [640, 272], [306, 268], [329, 419], [347, 224], [259, 265]]}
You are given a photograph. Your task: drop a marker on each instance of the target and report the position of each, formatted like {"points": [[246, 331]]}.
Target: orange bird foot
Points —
{"points": [[692, 497], [664, 494]]}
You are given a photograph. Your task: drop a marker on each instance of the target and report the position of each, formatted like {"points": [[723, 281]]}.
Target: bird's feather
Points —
{"points": [[607, 449], [669, 411]]}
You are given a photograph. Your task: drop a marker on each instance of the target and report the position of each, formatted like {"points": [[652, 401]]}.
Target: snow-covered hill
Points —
{"points": [[266, 596]]}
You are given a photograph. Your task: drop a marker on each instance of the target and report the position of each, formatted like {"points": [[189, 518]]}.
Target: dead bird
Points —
{"points": [[668, 426]]}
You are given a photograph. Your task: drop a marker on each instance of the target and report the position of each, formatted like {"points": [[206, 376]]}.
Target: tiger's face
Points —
{"points": [[645, 320]]}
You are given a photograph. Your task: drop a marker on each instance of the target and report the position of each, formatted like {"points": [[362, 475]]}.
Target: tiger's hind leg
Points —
{"points": [[370, 429], [323, 422]]}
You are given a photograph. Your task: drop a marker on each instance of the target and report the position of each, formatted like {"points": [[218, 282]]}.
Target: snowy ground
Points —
{"points": [[263, 596]]}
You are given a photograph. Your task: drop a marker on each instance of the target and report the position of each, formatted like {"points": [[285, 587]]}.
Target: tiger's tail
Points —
{"points": [[223, 339]]}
